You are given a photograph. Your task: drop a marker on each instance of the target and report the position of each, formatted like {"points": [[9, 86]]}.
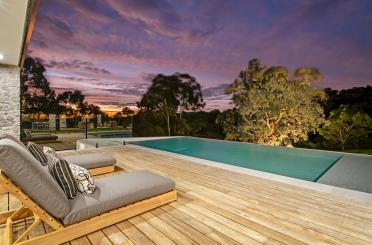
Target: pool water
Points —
{"points": [[292, 162]]}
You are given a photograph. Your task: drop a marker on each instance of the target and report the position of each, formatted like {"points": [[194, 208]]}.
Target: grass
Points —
{"points": [[79, 130], [364, 151]]}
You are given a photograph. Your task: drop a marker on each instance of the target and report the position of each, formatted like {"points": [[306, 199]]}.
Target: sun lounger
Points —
{"points": [[116, 198], [40, 137], [96, 163]]}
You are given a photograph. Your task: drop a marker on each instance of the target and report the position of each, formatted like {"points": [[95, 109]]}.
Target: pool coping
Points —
{"points": [[338, 191]]}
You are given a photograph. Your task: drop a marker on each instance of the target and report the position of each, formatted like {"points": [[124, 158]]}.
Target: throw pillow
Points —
{"points": [[37, 152], [85, 181], [49, 150], [61, 172]]}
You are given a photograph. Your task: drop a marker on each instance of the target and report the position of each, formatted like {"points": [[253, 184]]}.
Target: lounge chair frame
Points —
{"points": [[63, 233]]}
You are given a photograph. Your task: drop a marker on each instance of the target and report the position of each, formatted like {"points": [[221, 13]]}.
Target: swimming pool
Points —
{"points": [[292, 162]]}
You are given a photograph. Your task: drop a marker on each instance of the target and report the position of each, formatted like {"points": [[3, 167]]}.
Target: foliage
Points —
{"points": [[203, 124], [146, 124], [359, 98], [197, 124], [39, 98], [171, 96], [307, 75], [229, 121], [345, 127], [273, 109], [127, 112]]}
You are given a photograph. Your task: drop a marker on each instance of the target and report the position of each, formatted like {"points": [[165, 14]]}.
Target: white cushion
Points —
{"points": [[49, 150]]}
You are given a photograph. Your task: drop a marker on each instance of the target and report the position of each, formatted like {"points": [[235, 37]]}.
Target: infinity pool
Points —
{"points": [[292, 162]]}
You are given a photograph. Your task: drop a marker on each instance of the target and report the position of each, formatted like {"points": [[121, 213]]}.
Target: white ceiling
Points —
{"points": [[12, 23]]}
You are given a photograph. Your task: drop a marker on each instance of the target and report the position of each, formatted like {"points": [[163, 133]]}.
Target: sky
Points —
{"points": [[111, 49]]}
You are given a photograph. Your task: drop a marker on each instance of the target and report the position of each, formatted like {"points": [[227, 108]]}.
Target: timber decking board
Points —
{"points": [[217, 206]]}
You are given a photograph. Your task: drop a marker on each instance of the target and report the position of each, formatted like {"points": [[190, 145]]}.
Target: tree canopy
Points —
{"points": [[38, 97], [172, 95], [345, 126], [358, 98], [274, 109]]}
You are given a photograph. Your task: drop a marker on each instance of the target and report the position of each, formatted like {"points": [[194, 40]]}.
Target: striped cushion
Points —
{"points": [[61, 172], [38, 153]]}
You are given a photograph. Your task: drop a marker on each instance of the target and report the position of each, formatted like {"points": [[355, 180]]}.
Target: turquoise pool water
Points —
{"points": [[297, 163]]}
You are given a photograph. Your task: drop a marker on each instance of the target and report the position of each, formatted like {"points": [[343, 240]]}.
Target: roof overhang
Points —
{"points": [[17, 20]]}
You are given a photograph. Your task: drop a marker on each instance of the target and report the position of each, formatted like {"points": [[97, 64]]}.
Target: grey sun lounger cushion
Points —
{"points": [[7, 136], [91, 160], [117, 191], [33, 178]]}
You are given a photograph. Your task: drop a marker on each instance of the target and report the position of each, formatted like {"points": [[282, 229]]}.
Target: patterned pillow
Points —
{"points": [[38, 153], [49, 150], [85, 181], [61, 172]]}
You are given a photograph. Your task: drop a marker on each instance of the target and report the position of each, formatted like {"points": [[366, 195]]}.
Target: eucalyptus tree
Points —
{"points": [[172, 95], [274, 109]]}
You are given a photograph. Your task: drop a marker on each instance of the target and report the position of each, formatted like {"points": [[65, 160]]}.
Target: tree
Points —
{"points": [[38, 97], [345, 127], [357, 98], [128, 113], [88, 109], [307, 75], [172, 94], [273, 109], [230, 121]]}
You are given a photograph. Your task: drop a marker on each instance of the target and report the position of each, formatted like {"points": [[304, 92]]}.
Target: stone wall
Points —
{"points": [[10, 100]]}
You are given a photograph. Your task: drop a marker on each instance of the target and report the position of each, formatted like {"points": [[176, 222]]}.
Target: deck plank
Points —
{"points": [[150, 231], [179, 225], [99, 237], [81, 241], [134, 234], [115, 235], [168, 230]]}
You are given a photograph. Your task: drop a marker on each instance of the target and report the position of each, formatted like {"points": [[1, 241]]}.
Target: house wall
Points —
{"points": [[10, 100]]}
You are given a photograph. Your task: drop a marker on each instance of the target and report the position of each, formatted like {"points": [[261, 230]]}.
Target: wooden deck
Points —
{"points": [[216, 206]]}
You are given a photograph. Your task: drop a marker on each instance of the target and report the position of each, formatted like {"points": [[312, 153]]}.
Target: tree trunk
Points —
{"points": [[168, 125]]}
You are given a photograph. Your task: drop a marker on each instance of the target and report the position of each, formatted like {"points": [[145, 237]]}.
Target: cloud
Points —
{"points": [[130, 89], [218, 90], [92, 11], [162, 18], [74, 65], [56, 26], [107, 47]]}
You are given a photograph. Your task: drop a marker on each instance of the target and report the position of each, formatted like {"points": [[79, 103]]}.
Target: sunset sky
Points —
{"points": [[111, 49]]}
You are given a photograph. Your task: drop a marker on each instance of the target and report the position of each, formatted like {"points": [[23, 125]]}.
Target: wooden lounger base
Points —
{"points": [[63, 233], [102, 170]]}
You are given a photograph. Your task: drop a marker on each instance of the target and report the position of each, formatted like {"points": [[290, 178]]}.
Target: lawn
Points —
{"points": [[364, 151]]}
